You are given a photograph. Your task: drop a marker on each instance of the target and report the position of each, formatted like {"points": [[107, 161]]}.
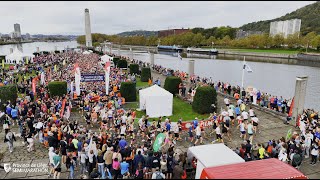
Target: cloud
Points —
{"points": [[113, 17]]}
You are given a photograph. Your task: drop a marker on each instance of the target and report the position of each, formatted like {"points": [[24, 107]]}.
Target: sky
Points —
{"points": [[112, 17]]}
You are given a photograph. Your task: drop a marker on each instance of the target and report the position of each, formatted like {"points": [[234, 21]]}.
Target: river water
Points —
{"points": [[276, 79]]}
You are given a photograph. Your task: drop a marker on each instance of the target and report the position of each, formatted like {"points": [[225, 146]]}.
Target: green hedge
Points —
{"points": [[171, 84], [205, 96], [128, 91], [145, 74], [8, 92], [122, 63], [115, 61], [57, 88], [57, 52], [134, 68], [36, 54], [45, 52]]}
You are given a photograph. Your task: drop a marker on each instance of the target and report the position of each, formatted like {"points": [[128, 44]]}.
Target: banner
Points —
{"points": [[42, 78], [27, 60], [34, 83], [55, 68], [291, 107], [204, 123], [107, 74], [92, 77], [62, 108], [2, 63], [77, 78], [71, 88]]}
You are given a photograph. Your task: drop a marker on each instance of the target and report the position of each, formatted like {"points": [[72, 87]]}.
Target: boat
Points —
{"points": [[203, 51], [170, 48]]}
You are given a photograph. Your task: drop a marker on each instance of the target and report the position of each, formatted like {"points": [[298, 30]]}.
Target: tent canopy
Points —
{"points": [[213, 155], [18, 57], [156, 101], [106, 58], [86, 52]]}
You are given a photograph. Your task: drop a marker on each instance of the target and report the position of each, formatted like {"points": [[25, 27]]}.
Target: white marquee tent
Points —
{"points": [[212, 155], [86, 52], [156, 101], [106, 58], [17, 57]]}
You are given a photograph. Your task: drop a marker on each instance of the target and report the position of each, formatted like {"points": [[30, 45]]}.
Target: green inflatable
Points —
{"points": [[158, 142]]}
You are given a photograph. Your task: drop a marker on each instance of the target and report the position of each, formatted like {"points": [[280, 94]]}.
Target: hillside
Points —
{"points": [[139, 33], [309, 15]]}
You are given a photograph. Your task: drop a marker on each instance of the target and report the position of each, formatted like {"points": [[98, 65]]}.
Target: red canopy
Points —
{"points": [[260, 169]]}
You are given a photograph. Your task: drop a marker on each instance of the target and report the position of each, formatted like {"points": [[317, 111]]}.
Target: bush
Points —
{"points": [[128, 91], [205, 96], [45, 52], [56, 52], [134, 69], [115, 60], [8, 92], [171, 84], [57, 88], [122, 64], [145, 74]]}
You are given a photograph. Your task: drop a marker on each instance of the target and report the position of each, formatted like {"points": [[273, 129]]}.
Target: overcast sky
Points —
{"points": [[114, 17]]}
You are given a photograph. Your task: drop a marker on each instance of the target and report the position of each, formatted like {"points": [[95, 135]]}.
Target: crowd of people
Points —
{"points": [[110, 145]]}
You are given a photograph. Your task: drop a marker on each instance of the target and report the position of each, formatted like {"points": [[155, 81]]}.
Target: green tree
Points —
{"points": [[277, 40], [293, 40], [306, 40]]}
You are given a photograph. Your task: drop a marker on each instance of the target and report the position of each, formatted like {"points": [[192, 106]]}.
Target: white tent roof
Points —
{"points": [[106, 58], [18, 56], [156, 100], [212, 155], [86, 52]]}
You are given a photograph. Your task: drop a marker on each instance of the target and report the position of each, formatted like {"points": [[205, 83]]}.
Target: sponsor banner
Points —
{"points": [[92, 77], [203, 124]]}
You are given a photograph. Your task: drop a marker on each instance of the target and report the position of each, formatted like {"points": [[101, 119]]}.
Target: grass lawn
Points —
{"points": [[180, 109], [272, 51], [141, 84]]}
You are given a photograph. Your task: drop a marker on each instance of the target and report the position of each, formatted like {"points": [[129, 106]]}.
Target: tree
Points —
{"points": [[315, 42], [204, 98], [171, 84], [308, 38], [128, 91], [293, 40], [278, 40]]}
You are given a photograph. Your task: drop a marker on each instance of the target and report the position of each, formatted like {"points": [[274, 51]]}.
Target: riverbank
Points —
{"points": [[22, 42]]}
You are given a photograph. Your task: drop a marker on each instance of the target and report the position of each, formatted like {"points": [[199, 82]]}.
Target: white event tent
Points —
{"points": [[212, 155], [86, 52], [156, 101], [17, 57], [106, 58]]}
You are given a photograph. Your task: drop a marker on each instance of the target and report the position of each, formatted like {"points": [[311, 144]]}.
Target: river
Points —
{"points": [[276, 79]]}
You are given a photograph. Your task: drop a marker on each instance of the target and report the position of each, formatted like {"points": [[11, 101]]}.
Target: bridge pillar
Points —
{"points": [[151, 58], [191, 68], [299, 97]]}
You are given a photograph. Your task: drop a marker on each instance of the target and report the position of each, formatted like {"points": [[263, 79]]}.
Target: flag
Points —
{"points": [[2, 63], [27, 60], [289, 134], [247, 67], [179, 56], [77, 77], [42, 78], [55, 68], [107, 74], [92, 146], [71, 93], [291, 107]]}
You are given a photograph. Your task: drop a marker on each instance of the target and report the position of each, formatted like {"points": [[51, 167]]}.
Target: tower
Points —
{"points": [[87, 28]]}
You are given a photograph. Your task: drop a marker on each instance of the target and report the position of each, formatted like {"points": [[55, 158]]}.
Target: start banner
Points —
{"points": [[203, 124], [92, 77]]}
